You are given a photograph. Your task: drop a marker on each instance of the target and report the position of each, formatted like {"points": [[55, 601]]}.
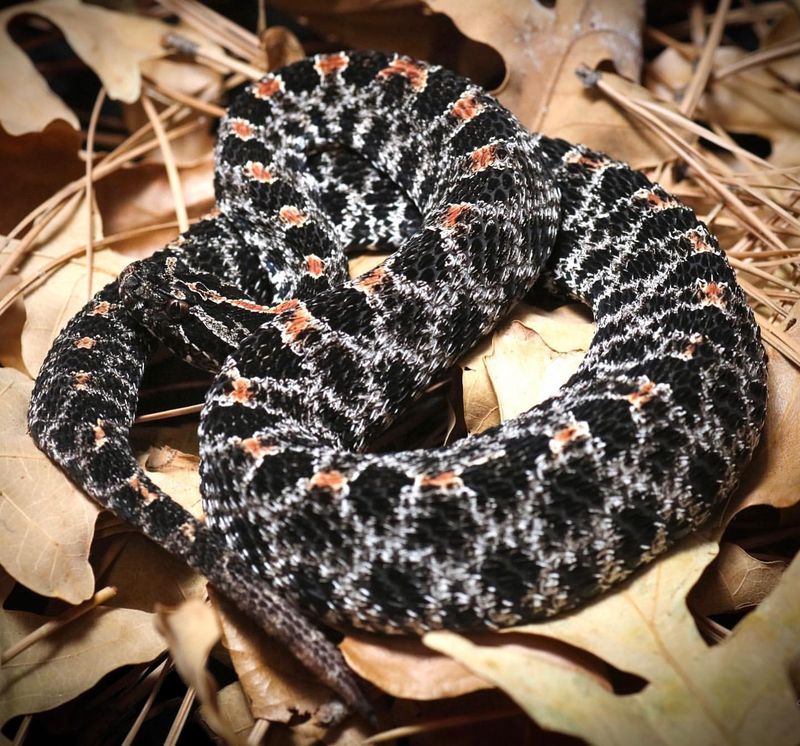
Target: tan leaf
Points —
{"points": [[131, 570], [11, 325], [310, 733], [481, 407], [185, 78], [192, 630], [568, 328], [543, 46], [534, 355], [753, 103], [63, 234], [235, 707], [46, 524], [645, 628], [27, 103], [71, 661], [281, 46], [527, 358], [177, 474], [275, 682], [784, 30], [735, 580], [362, 263], [404, 667], [111, 43], [774, 474]]}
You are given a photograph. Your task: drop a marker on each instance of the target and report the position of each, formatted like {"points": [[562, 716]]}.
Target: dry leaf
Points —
{"points": [[192, 631], [189, 79], [526, 359], [750, 103], [6, 585], [535, 355], [65, 232], [774, 474], [11, 325], [362, 263], [72, 660], [281, 46], [140, 196], [111, 43], [309, 733], [403, 667], [388, 25], [783, 31], [134, 567], [46, 524], [645, 628], [543, 46], [481, 409], [51, 305], [736, 693], [234, 706], [735, 580], [568, 328], [35, 166], [182, 438], [277, 685], [177, 474]]}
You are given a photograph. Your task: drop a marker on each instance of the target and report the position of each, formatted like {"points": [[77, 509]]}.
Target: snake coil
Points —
{"points": [[524, 521]]}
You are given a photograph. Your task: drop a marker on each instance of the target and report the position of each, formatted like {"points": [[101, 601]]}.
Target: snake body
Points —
{"points": [[521, 522]]}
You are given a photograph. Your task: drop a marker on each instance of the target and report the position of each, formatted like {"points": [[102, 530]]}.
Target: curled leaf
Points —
{"points": [[191, 631]]}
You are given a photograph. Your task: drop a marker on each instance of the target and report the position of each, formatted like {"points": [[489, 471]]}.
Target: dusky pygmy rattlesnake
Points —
{"points": [[521, 522]]}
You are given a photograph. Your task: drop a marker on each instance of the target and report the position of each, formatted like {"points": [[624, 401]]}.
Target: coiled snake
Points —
{"points": [[526, 520]]}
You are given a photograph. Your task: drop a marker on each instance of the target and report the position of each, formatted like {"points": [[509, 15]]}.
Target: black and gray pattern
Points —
{"points": [[524, 521]]}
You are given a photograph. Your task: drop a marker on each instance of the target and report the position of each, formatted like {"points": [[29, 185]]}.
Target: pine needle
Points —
{"points": [[48, 628], [169, 164]]}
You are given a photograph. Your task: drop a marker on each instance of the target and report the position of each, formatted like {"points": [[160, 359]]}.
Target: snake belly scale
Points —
{"points": [[521, 522]]}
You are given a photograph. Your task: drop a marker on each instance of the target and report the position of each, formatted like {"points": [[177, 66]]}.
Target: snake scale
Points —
{"points": [[521, 522]]}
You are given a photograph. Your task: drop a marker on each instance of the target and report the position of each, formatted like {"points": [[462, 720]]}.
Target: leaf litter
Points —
{"points": [[710, 632]]}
